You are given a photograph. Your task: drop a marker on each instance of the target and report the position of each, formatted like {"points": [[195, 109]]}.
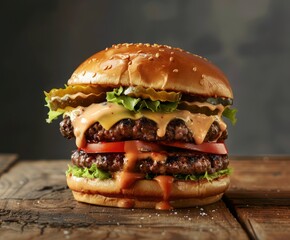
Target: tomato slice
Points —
{"points": [[113, 147], [103, 147], [142, 146], [215, 148]]}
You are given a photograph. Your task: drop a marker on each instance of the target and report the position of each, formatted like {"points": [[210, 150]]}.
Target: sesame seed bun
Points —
{"points": [[147, 193], [156, 66]]}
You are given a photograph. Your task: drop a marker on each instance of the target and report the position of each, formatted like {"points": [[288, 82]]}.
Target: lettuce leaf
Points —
{"points": [[137, 104], [94, 172], [209, 177], [230, 113], [51, 115], [91, 173]]}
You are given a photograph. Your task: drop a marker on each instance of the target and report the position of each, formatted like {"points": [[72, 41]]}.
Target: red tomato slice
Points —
{"points": [[133, 146], [103, 147], [215, 148]]}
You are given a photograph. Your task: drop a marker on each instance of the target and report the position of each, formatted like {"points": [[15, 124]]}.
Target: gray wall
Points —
{"points": [[44, 41]]}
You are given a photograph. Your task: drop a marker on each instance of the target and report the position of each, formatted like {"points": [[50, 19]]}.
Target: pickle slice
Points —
{"points": [[73, 96], [211, 100], [154, 95], [197, 109], [76, 100], [73, 89]]}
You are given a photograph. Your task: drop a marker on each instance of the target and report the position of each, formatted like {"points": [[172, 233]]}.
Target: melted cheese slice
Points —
{"points": [[107, 114]]}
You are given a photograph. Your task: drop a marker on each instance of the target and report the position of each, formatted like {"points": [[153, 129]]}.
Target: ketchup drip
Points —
{"points": [[128, 176], [165, 182]]}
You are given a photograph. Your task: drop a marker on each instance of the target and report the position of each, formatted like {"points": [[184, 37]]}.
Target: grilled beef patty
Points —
{"points": [[141, 129], [172, 163]]}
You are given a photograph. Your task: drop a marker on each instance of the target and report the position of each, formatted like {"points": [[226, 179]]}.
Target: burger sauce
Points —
{"points": [[165, 183]]}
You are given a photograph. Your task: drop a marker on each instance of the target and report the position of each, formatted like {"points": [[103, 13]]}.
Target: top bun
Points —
{"points": [[157, 66]]}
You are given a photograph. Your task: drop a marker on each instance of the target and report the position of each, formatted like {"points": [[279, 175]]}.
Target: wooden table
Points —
{"points": [[35, 203]]}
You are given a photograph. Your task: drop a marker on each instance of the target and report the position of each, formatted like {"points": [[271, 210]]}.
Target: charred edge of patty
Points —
{"points": [[175, 163], [141, 129]]}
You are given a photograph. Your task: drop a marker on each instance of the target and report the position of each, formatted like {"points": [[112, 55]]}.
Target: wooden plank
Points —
{"points": [[260, 178], [7, 160], [265, 222], [34, 180], [36, 203], [260, 196], [35, 218]]}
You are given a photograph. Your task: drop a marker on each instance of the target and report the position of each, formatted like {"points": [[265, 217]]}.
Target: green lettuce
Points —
{"points": [[230, 113], [209, 177], [52, 114], [92, 172], [137, 104]]}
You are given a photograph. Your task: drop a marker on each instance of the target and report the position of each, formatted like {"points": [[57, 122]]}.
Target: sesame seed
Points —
{"points": [[139, 51], [95, 74], [150, 58], [147, 45], [172, 53], [106, 49], [130, 62], [171, 59], [109, 67], [194, 69], [157, 55], [84, 72], [175, 70], [161, 50], [94, 59], [106, 67], [124, 57]]}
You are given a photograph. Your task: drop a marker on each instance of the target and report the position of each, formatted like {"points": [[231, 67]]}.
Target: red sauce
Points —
{"points": [[126, 203], [127, 179], [165, 182], [163, 205]]}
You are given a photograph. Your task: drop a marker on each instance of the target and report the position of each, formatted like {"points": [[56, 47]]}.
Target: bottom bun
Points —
{"points": [[101, 200], [147, 193]]}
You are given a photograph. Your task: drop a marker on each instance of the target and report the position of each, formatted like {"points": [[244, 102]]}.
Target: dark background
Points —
{"points": [[43, 41]]}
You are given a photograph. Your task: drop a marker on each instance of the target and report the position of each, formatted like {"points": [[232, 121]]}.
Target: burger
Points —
{"points": [[148, 125]]}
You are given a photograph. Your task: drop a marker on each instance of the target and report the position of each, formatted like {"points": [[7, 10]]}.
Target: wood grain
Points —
{"points": [[266, 222], [36, 203], [260, 178], [260, 196], [6, 161]]}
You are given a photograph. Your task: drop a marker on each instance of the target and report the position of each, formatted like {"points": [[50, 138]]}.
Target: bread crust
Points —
{"points": [[147, 193], [98, 199], [156, 66]]}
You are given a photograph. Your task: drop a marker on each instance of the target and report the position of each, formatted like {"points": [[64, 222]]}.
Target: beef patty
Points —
{"points": [[141, 129], [172, 163]]}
